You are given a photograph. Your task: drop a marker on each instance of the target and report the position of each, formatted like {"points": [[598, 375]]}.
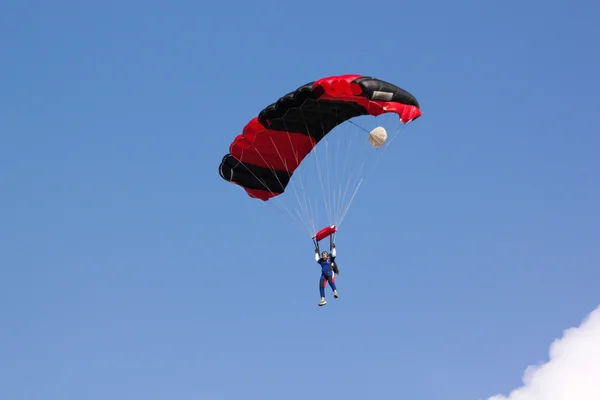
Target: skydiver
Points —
{"points": [[328, 272]]}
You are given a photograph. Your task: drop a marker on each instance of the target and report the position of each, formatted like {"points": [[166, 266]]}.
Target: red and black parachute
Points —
{"points": [[264, 156]]}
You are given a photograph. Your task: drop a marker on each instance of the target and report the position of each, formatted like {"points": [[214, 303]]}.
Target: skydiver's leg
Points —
{"points": [[322, 285], [331, 280]]}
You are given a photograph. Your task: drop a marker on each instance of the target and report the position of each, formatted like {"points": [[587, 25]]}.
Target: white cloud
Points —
{"points": [[573, 370]]}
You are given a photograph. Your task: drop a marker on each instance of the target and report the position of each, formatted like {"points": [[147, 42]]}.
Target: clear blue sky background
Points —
{"points": [[130, 269]]}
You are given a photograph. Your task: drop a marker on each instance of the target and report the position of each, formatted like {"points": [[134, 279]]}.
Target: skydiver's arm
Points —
{"points": [[317, 258], [333, 253]]}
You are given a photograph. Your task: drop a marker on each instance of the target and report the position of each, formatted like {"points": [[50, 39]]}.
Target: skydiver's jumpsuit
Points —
{"points": [[327, 273]]}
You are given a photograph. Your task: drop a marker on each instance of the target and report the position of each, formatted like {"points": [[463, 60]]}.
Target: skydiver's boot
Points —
{"points": [[336, 294], [322, 302]]}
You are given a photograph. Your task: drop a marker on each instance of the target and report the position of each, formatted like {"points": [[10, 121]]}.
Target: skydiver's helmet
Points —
{"points": [[326, 254]]}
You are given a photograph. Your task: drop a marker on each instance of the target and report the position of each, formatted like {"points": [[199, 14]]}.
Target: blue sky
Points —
{"points": [[130, 269]]}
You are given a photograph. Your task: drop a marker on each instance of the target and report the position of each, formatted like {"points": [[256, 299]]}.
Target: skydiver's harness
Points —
{"points": [[332, 263]]}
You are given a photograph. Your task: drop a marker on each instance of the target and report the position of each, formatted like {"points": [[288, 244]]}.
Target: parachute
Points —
{"points": [[273, 146]]}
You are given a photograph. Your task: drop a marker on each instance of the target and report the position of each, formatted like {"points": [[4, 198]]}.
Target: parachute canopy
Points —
{"points": [[263, 158]]}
